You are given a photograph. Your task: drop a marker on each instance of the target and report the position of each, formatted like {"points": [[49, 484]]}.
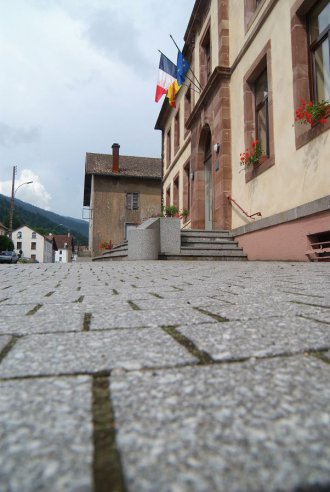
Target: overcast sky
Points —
{"points": [[77, 76]]}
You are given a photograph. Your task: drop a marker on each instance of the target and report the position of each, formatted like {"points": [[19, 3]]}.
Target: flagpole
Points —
{"points": [[177, 47], [198, 88]]}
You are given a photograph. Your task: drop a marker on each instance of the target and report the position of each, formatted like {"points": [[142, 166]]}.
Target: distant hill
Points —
{"points": [[42, 221]]}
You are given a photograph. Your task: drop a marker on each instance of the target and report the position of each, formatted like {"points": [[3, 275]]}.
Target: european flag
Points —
{"points": [[182, 68]]}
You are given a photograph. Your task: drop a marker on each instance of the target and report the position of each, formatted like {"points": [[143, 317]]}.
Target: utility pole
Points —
{"points": [[11, 211]]}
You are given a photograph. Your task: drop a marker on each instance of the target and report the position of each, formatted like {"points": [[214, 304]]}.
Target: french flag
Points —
{"points": [[166, 76]]}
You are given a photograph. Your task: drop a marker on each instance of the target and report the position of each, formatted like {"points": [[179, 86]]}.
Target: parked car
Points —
{"points": [[8, 257]]}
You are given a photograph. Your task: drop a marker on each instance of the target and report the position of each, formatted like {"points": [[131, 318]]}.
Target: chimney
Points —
{"points": [[115, 158]]}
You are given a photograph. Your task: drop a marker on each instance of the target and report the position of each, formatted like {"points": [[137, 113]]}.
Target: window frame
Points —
{"points": [[301, 68], [312, 47], [205, 56], [258, 107], [262, 63], [132, 201]]}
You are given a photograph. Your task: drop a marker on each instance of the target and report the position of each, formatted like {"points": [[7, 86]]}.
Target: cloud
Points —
{"points": [[117, 38], [34, 193], [10, 135]]}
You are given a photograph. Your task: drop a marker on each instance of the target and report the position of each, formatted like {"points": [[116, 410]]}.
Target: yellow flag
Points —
{"points": [[172, 91]]}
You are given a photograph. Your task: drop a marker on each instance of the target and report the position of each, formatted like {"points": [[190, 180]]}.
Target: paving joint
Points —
{"points": [[107, 468]]}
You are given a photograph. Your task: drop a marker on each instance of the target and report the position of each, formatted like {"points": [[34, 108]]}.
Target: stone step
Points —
{"points": [[210, 246], [206, 240], [205, 252], [203, 258], [202, 233]]}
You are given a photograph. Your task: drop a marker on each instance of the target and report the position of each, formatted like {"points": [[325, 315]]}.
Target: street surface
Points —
{"points": [[165, 377]]}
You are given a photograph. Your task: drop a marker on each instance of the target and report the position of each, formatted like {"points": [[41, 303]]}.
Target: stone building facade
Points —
{"points": [[120, 192], [255, 60]]}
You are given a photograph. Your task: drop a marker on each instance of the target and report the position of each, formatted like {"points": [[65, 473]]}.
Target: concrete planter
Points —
{"points": [[170, 239]]}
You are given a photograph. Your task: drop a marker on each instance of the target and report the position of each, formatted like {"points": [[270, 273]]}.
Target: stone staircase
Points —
{"points": [[207, 245], [195, 245], [117, 253]]}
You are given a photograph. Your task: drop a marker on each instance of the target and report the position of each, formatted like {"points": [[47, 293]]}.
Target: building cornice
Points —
{"points": [[218, 74]]}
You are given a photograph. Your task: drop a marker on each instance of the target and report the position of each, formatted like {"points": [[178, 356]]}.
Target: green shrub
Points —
{"points": [[6, 244]]}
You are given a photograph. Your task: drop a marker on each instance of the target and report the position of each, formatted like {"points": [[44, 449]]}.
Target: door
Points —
{"points": [[208, 194]]}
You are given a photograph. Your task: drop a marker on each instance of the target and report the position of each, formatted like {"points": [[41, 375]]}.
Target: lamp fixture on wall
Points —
{"points": [[216, 148]]}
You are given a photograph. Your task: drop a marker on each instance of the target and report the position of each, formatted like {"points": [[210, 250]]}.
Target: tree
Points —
{"points": [[6, 244]]}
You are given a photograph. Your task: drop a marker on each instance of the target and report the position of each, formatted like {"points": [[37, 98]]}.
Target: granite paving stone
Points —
{"points": [[258, 338], [93, 352], [199, 405], [265, 308], [56, 319], [4, 340], [103, 320], [46, 435], [231, 427]]}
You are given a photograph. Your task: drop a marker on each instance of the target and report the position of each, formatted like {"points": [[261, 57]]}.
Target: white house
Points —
{"points": [[64, 247], [31, 244]]}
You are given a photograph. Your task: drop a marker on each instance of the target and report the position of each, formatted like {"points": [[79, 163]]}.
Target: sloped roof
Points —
{"points": [[60, 240], [129, 166]]}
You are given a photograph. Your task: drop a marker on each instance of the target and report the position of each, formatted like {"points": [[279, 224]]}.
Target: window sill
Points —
{"points": [[304, 136], [263, 165]]}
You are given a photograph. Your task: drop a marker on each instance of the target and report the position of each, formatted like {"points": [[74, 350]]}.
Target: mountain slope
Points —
{"points": [[42, 220]]}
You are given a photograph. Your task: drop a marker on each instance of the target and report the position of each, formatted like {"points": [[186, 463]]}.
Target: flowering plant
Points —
{"points": [[252, 155], [313, 113], [173, 211]]}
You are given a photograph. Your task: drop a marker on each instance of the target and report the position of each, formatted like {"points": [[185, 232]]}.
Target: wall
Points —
{"points": [[298, 176], [284, 242], [109, 206], [26, 243]]}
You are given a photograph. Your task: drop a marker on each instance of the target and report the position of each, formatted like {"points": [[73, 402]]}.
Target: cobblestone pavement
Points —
{"points": [[165, 377]]}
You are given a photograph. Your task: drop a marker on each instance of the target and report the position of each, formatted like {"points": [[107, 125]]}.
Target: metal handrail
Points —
{"points": [[230, 199]]}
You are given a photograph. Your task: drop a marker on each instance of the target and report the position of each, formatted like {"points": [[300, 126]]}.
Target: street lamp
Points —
{"points": [[12, 204]]}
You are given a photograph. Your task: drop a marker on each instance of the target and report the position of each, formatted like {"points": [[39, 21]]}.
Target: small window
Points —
{"points": [[177, 132], [176, 191], [132, 201], [19, 235], [168, 148], [60, 252], [19, 245], [187, 107], [33, 245], [205, 58], [33, 257], [168, 197], [34, 235]]}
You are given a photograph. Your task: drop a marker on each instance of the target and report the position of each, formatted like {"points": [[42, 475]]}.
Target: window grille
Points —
{"points": [[132, 201]]}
